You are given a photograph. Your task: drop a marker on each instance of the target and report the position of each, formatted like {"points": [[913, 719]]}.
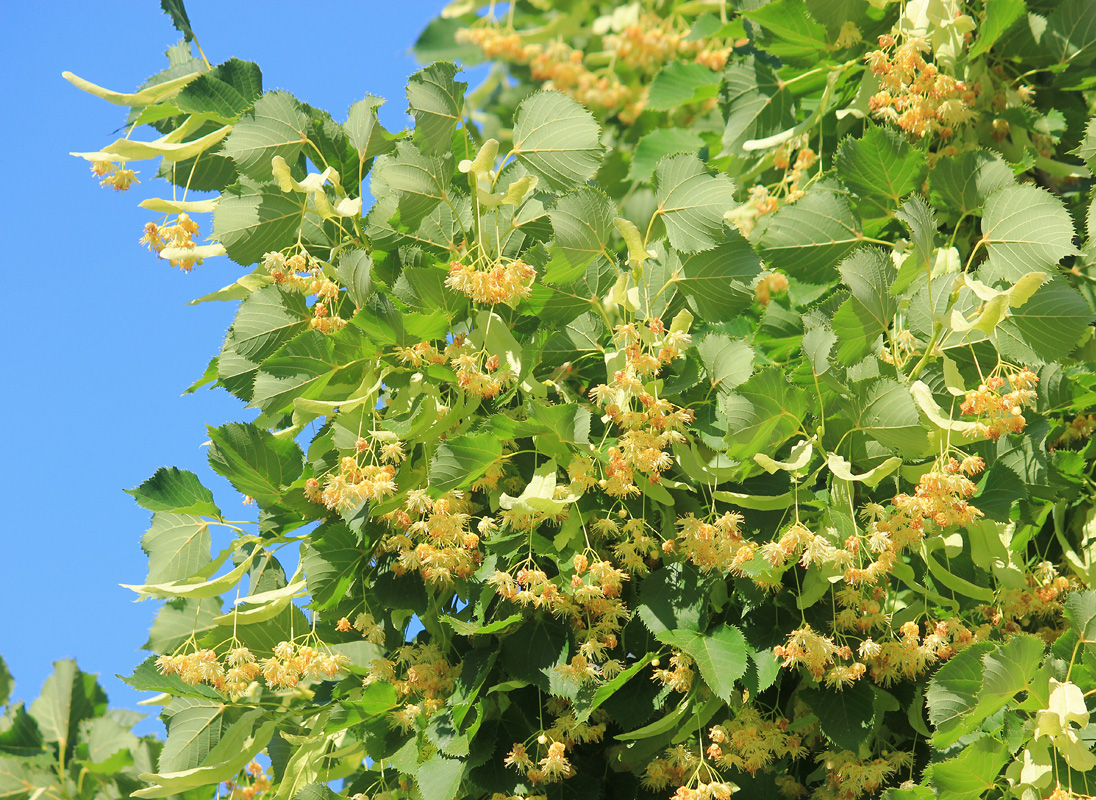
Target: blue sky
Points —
{"points": [[100, 343]]}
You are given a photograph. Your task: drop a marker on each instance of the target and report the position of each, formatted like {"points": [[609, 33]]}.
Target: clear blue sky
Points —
{"points": [[99, 341]]}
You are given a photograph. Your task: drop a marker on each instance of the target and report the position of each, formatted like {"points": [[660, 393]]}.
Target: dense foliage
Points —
{"points": [[703, 404]]}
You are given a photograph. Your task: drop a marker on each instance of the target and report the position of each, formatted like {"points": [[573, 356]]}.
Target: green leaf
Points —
{"points": [[1025, 228], [889, 415], [673, 598], [226, 91], [19, 735], [720, 655], [1007, 671], [1047, 327], [972, 774], [761, 414], [755, 104], [68, 697], [316, 791], [999, 17], [355, 273], [255, 218], [880, 168], [363, 128], [1080, 610], [177, 546], [953, 693], [420, 182], [808, 239], [178, 619], [174, 489], [194, 726], [305, 367], [679, 83], [817, 344], [845, 715], [962, 183], [275, 126], [254, 461], [727, 361], [267, 319], [789, 30], [1070, 36], [658, 143], [436, 101], [463, 459], [177, 11], [534, 650], [440, 777], [1086, 150], [691, 202], [717, 281], [919, 217], [557, 140], [6, 682], [869, 312], [332, 561], [583, 222]]}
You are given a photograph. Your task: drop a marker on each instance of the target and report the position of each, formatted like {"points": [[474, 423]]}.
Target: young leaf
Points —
{"points": [[880, 168], [717, 281], [177, 546], [174, 489], [658, 143], [691, 202], [254, 461], [808, 239], [557, 140], [679, 83], [870, 310], [1024, 228], [177, 11], [436, 101], [276, 126]]}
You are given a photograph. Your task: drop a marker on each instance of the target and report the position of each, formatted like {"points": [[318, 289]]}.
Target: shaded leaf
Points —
{"points": [[254, 461], [808, 239], [691, 202]]}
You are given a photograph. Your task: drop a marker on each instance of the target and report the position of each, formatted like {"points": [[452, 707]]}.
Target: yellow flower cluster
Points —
{"points": [[644, 45], [116, 176], [302, 273], [553, 767], [179, 234], [258, 783], [289, 665], [848, 776], [715, 546], [422, 677], [508, 280], [915, 95], [1001, 413], [650, 424], [433, 537]]}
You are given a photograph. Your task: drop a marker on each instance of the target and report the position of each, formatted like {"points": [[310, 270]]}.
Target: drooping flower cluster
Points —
{"points": [[352, 484], [1001, 413], [507, 280], [422, 677], [640, 43], [257, 783], [650, 424], [715, 546], [433, 537], [915, 95], [115, 176], [302, 273], [941, 498], [848, 776], [179, 234], [552, 767], [772, 283], [289, 664]]}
